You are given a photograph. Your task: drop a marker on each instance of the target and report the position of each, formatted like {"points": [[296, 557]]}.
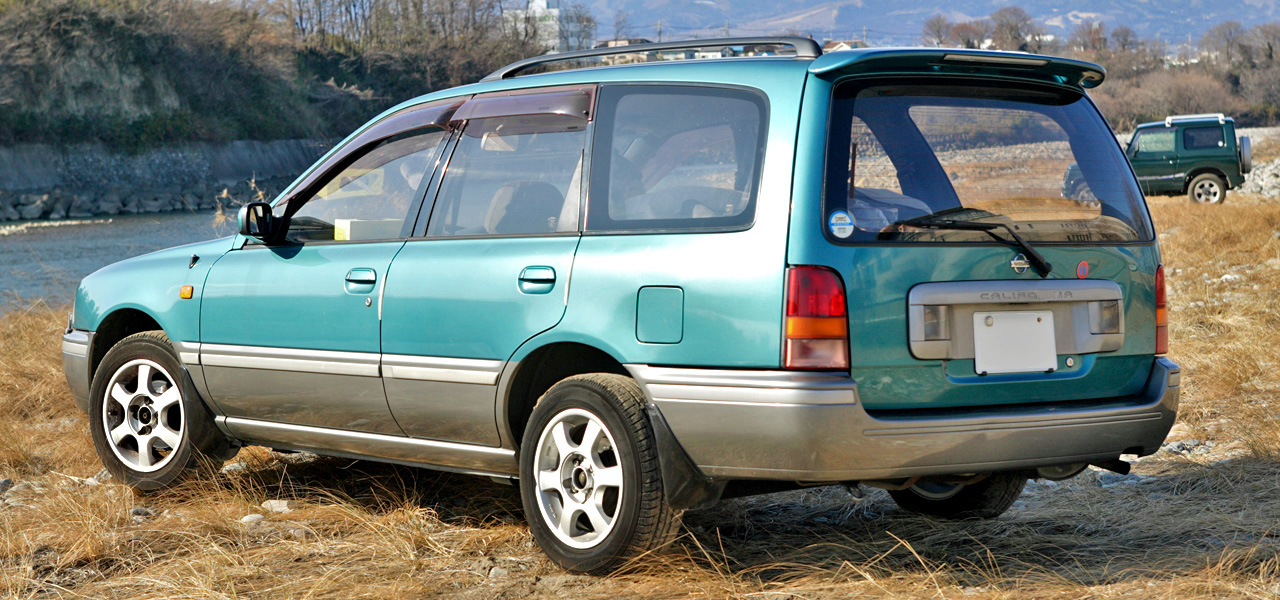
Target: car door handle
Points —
{"points": [[538, 275], [537, 280], [365, 276]]}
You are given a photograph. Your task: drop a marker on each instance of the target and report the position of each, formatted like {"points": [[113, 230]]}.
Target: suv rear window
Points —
{"points": [[675, 157], [1042, 161], [1203, 138]]}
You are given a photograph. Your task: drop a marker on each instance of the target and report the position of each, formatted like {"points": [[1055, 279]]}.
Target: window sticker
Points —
{"points": [[841, 224]]}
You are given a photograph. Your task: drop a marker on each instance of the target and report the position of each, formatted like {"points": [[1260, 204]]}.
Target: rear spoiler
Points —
{"points": [[1015, 65]]}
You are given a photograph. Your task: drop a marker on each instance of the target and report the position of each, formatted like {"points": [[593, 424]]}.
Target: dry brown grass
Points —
{"points": [[1196, 526]]}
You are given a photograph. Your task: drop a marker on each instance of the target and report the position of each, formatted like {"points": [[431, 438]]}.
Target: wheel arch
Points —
{"points": [[535, 369], [1191, 175], [118, 324]]}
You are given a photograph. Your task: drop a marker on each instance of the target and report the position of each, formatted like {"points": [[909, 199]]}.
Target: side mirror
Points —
{"points": [[256, 221]]}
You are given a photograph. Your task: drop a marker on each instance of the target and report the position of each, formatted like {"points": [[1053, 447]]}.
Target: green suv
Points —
{"points": [[1196, 155], [637, 289]]}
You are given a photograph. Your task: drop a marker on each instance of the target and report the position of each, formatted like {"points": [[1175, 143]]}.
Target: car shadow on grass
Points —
{"points": [[1091, 530]]}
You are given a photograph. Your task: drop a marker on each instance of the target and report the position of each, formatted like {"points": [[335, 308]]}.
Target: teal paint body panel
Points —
{"points": [[296, 297], [462, 298], [660, 315], [150, 283]]}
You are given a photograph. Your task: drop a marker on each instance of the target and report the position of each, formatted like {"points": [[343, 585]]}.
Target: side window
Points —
{"points": [[668, 157], [371, 198], [1155, 142], [512, 176], [1203, 138]]}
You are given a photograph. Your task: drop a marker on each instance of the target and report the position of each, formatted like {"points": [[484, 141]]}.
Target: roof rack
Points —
{"points": [[805, 48], [1168, 121]]}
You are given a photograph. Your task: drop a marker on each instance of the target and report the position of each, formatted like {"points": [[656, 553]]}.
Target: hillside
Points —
{"points": [[897, 22], [138, 73]]}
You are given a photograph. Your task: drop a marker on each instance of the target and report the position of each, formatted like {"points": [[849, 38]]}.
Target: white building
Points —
{"points": [[555, 29]]}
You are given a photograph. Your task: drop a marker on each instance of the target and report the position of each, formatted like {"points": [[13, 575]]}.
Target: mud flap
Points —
{"points": [[684, 486]]}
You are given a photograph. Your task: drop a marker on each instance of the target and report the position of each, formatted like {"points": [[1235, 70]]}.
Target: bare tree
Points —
{"points": [[1089, 35], [971, 34], [621, 25], [1266, 37], [1012, 28], [1226, 39], [1124, 39], [577, 26], [937, 31]]}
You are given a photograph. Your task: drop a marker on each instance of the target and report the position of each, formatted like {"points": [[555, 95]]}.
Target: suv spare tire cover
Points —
{"points": [[1246, 154]]}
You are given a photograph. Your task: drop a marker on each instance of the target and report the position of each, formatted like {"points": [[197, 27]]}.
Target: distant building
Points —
{"points": [[712, 53], [838, 45], [555, 29], [623, 59]]}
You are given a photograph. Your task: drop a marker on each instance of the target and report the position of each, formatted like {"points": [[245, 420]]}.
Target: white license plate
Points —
{"points": [[1014, 342]]}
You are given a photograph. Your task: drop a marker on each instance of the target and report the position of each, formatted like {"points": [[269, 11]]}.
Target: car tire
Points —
{"points": [[985, 499], [590, 480], [151, 436], [1207, 188]]}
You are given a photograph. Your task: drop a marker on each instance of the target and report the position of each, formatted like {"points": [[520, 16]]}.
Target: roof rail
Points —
{"points": [[1168, 121], [805, 48]]}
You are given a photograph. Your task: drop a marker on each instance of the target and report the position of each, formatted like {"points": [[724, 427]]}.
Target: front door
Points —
{"points": [[491, 269], [290, 330], [1155, 161]]}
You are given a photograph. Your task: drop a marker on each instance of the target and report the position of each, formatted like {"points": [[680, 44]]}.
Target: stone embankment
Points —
{"points": [[46, 182]]}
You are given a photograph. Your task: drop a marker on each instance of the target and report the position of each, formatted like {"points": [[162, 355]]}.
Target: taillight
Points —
{"points": [[1162, 313], [816, 332]]}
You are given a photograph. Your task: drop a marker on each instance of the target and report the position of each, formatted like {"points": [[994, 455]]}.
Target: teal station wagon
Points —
{"points": [[639, 289]]}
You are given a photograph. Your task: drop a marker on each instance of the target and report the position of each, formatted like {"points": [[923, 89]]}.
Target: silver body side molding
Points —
{"points": [[445, 456], [448, 370], [362, 364], [188, 352]]}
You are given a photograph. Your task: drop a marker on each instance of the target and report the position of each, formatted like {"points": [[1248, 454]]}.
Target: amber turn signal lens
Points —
{"points": [[185, 292]]}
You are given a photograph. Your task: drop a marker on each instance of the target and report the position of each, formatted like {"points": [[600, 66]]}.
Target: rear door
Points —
{"points": [[948, 317], [1154, 156], [490, 267], [290, 330]]}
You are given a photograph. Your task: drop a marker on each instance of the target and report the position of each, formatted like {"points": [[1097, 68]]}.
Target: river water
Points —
{"points": [[45, 260]]}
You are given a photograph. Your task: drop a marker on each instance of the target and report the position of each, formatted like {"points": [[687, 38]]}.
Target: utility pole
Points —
{"points": [[659, 30], [726, 28], [864, 36]]}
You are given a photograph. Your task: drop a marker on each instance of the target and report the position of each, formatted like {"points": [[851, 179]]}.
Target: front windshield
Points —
{"points": [[1043, 162]]}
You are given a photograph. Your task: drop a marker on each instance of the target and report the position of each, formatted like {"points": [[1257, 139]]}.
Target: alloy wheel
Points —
{"points": [[579, 478], [142, 415]]}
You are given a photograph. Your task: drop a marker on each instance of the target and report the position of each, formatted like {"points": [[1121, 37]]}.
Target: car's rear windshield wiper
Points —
{"points": [[1037, 261]]}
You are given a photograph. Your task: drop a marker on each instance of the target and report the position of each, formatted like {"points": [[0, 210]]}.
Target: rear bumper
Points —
{"points": [[811, 427], [75, 364]]}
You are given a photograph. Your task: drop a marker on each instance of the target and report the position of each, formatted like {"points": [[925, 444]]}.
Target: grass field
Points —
{"points": [[1198, 520]]}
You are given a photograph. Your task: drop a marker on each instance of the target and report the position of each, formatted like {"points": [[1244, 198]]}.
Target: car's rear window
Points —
{"points": [[1043, 162]]}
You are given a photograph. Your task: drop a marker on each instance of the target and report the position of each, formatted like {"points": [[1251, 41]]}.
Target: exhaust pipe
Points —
{"points": [[1114, 465]]}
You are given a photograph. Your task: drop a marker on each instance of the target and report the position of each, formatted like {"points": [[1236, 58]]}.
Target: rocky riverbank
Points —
{"points": [[39, 181], [58, 203]]}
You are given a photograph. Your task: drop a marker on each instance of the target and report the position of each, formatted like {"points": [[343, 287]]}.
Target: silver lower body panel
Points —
{"points": [[75, 365], [811, 427], [445, 456]]}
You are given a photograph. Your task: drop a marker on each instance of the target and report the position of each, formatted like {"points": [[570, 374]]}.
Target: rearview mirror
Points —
{"points": [[256, 221]]}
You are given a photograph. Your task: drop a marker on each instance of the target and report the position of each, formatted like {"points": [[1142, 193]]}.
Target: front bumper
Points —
{"points": [[811, 427], [75, 364]]}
